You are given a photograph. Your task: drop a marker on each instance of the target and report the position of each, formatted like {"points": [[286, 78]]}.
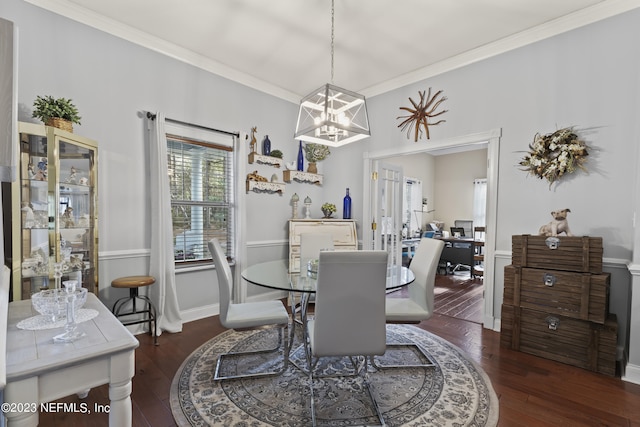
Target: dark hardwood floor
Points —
{"points": [[532, 391], [460, 296]]}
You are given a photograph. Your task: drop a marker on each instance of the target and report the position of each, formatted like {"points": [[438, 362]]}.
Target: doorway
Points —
{"points": [[489, 140]]}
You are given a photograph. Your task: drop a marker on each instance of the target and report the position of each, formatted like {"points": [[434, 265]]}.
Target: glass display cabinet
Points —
{"points": [[55, 210]]}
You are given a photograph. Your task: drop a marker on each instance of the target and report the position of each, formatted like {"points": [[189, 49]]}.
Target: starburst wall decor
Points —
{"points": [[420, 114]]}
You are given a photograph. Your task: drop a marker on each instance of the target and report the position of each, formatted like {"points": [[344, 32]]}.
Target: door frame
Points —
{"points": [[490, 139]]}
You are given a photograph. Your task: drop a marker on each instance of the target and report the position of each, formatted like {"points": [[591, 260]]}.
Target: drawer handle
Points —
{"points": [[553, 322], [552, 242], [549, 279]]}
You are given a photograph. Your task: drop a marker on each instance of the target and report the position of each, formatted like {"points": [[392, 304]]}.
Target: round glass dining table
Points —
{"points": [[276, 275]]}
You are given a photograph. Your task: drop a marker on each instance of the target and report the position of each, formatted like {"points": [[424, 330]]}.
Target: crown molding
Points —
{"points": [[598, 12], [128, 33]]}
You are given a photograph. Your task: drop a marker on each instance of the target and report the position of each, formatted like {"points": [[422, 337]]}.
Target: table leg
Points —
{"points": [[24, 394], [122, 370], [120, 409]]}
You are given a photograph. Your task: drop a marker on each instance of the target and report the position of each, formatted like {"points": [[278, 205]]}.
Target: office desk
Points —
{"points": [[40, 371], [458, 251]]}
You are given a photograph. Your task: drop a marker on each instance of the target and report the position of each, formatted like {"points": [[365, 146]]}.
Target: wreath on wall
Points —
{"points": [[553, 155]]}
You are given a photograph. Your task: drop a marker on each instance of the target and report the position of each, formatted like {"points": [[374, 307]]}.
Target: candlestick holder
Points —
{"points": [[71, 332]]}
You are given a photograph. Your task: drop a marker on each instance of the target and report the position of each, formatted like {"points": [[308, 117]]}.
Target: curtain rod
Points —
{"points": [[152, 116]]}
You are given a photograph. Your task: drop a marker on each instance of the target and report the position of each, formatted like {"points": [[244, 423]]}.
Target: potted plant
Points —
{"points": [[276, 153], [60, 113], [328, 209], [315, 153]]}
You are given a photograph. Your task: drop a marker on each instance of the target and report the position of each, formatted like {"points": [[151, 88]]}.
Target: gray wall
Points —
{"points": [[586, 78]]}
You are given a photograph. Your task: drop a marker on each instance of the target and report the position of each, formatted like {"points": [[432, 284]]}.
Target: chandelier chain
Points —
{"points": [[332, 36]]}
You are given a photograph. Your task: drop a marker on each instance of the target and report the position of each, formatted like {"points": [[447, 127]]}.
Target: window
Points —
{"points": [[480, 202], [202, 198]]}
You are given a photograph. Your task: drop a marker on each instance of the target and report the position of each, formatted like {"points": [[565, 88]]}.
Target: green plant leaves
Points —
{"points": [[47, 107]]}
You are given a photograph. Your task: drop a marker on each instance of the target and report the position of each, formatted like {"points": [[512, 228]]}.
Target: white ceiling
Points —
{"points": [[282, 47]]}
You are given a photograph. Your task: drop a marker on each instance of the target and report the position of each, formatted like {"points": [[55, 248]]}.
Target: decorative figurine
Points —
{"points": [[32, 171], [558, 225], [41, 171], [253, 142], [72, 176], [67, 218], [28, 218], [294, 203], [254, 176], [307, 206]]}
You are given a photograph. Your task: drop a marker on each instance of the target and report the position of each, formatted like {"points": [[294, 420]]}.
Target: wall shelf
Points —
{"points": [[265, 187], [265, 160], [299, 176]]}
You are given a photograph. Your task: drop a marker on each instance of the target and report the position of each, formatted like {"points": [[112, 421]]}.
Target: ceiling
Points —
{"points": [[283, 47]]}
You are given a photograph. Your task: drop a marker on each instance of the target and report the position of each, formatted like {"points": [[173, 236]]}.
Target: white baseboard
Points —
{"points": [[631, 373], [200, 313]]}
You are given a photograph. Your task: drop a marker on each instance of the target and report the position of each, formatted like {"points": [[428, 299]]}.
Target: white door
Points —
{"points": [[386, 208]]}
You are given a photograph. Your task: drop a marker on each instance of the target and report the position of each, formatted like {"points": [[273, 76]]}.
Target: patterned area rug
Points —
{"points": [[455, 392]]}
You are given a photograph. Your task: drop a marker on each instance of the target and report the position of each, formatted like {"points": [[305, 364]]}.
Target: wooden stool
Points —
{"points": [[133, 283]]}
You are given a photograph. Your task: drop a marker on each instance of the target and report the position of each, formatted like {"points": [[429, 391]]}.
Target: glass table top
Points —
{"points": [[275, 275]]}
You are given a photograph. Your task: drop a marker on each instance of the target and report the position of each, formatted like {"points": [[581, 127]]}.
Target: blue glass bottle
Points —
{"points": [[266, 146], [300, 158], [346, 206]]}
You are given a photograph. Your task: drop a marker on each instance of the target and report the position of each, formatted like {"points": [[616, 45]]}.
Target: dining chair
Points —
{"points": [[310, 246], [244, 315], [349, 315], [419, 305]]}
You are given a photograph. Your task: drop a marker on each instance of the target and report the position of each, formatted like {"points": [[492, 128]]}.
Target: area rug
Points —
{"points": [[455, 392]]}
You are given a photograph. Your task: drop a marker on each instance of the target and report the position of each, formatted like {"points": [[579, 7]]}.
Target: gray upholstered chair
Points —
{"points": [[244, 315], [349, 316], [419, 305]]}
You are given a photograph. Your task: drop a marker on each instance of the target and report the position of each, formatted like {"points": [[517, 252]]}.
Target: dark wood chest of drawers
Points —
{"points": [[557, 312]]}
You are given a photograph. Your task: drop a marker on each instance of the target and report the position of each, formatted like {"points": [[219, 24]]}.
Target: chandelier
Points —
{"points": [[331, 115]]}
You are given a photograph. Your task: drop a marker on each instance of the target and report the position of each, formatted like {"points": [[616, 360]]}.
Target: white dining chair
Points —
{"points": [[419, 305], [244, 315], [349, 316], [310, 246]]}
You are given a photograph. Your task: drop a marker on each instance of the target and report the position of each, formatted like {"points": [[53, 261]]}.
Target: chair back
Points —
{"points": [[310, 246], [349, 316], [424, 266], [225, 279]]}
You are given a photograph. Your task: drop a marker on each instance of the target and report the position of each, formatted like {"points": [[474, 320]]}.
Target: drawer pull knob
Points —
{"points": [[552, 242], [549, 279], [553, 322]]}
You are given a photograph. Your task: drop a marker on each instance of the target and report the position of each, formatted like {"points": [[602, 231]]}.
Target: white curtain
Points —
{"points": [[162, 263], [480, 202]]}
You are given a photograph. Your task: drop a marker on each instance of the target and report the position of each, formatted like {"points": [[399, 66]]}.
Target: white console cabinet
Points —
{"points": [[343, 232]]}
